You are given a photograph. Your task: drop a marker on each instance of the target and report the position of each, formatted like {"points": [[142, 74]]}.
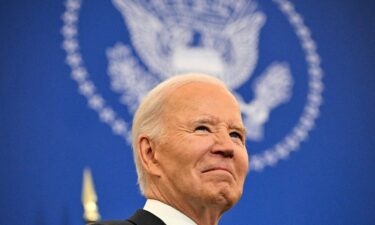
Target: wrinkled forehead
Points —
{"points": [[201, 97], [196, 89]]}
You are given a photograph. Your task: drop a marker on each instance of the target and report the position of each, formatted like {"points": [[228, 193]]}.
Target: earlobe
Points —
{"points": [[146, 151]]}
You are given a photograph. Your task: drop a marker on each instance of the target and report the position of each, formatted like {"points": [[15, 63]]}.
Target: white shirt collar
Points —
{"points": [[168, 214]]}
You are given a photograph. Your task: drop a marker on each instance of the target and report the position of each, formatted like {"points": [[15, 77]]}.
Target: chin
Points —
{"points": [[225, 197]]}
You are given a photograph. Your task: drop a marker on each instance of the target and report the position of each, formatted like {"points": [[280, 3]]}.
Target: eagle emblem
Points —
{"points": [[198, 36], [221, 38]]}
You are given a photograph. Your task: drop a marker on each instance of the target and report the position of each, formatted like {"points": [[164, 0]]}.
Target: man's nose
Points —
{"points": [[223, 145]]}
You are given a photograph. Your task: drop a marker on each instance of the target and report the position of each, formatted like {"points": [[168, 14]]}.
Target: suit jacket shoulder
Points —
{"points": [[141, 217], [113, 222]]}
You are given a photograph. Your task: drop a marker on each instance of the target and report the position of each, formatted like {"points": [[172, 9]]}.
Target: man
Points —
{"points": [[190, 154]]}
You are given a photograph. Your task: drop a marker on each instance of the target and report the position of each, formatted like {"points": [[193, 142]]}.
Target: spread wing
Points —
{"points": [[145, 29], [244, 37]]}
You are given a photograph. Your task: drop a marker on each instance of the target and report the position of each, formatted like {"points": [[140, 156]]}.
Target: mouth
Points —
{"points": [[218, 169]]}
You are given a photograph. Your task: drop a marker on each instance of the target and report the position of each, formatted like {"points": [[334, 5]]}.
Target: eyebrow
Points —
{"points": [[240, 129], [207, 120], [214, 120]]}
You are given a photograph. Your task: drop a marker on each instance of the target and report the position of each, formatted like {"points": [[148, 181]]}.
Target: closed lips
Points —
{"points": [[210, 169]]}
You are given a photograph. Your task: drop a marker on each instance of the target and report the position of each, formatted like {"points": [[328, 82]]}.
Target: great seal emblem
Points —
{"points": [[216, 37]]}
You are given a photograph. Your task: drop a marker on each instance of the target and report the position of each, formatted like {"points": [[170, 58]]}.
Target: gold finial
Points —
{"points": [[89, 199]]}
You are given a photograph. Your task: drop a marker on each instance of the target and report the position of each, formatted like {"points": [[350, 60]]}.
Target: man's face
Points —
{"points": [[202, 155]]}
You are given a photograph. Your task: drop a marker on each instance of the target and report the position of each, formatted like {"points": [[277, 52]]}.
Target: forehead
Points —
{"points": [[192, 93], [202, 99]]}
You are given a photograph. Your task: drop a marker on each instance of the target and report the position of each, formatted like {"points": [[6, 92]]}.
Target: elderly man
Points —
{"points": [[190, 154]]}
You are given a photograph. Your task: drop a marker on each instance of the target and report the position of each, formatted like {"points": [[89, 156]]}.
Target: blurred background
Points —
{"points": [[72, 72]]}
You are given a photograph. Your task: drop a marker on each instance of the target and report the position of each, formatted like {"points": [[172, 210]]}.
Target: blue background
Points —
{"points": [[48, 134]]}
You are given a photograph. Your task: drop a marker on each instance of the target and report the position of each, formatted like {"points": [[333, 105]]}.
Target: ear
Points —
{"points": [[146, 151]]}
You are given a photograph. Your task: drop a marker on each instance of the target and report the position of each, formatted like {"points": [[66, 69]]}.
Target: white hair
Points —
{"points": [[147, 118]]}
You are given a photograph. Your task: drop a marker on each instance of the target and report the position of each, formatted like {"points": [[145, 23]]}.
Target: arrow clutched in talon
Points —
{"points": [[89, 198]]}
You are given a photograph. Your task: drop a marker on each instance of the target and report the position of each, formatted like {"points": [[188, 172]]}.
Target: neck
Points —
{"points": [[200, 212], [205, 216]]}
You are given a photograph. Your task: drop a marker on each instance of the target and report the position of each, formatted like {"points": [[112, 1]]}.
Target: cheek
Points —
{"points": [[185, 152], [201, 143], [194, 146], [192, 153], [243, 163]]}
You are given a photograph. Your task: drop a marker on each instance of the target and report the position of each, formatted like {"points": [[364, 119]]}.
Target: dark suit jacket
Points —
{"points": [[141, 217]]}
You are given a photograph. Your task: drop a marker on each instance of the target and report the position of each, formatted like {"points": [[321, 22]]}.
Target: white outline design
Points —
{"points": [[258, 162]]}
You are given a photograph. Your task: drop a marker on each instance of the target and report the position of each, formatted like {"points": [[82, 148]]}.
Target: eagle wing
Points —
{"points": [[145, 30], [243, 34]]}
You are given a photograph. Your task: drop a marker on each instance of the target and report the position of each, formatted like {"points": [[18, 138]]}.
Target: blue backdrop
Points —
{"points": [[49, 132]]}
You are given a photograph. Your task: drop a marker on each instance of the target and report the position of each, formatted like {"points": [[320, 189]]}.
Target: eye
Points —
{"points": [[202, 129], [235, 134]]}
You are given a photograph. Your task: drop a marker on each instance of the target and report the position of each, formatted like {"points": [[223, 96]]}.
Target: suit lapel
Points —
{"points": [[143, 217]]}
